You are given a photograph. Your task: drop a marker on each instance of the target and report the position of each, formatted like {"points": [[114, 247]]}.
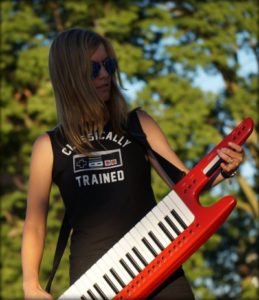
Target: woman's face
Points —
{"points": [[102, 82]]}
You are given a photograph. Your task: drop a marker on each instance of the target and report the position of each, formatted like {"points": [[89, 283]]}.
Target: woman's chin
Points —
{"points": [[105, 98]]}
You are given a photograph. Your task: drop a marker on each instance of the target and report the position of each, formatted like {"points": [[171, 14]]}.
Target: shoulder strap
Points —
{"points": [[168, 169], [60, 248]]}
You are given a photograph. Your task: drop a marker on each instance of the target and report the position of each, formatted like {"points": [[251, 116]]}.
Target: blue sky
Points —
{"points": [[208, 83], [215, 83]]}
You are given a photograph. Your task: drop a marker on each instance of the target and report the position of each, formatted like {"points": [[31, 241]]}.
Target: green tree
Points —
{"points": [[161, 44]]}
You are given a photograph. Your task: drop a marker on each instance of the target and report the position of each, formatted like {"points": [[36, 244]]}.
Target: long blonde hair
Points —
{"points": [[79, 109]]}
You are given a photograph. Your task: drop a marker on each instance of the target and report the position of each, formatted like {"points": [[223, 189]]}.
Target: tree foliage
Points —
{"points": [[161, 45]]}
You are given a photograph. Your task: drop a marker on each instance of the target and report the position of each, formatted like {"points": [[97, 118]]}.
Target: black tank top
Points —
{"points": [[105, 193]]}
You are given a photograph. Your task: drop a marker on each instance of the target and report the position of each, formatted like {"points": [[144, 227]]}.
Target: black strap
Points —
{"points": [[60, 248], [135, 130]]}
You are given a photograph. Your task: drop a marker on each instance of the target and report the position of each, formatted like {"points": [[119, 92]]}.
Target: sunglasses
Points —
{"points": [[109, 64]]}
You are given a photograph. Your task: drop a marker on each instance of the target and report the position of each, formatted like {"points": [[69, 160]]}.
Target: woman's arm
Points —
{"points": [[36, 217], [232, 156]]}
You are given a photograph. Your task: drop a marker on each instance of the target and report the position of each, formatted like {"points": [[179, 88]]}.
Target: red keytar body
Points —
{"points": [[206, 222]]}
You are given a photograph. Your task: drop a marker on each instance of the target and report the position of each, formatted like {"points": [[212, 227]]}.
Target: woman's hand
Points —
{"points": [[232, 156], [36, 293]]}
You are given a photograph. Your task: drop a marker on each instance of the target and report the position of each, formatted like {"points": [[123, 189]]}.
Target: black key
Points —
{"points": [[100, 292], [134, 263], [117, 277], [150, 248], [179, 219], [139, 256], [165, 230], [127, 268], [154, 238], [172, 225], [92, 296], [83, 298], [112, 286]]}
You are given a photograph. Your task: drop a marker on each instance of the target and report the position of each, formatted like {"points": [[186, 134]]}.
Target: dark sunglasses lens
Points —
{"points": [[110, 65], [95, 69]]}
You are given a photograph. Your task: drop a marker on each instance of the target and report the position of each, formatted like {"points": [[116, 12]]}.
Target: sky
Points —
{"points": [[215, 83], [208, 83]]}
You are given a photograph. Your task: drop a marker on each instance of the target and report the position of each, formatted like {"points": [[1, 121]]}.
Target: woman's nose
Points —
{"points": [[103, 73]]}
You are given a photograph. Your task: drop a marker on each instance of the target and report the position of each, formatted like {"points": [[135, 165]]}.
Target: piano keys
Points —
{"points": [[134, 251]]}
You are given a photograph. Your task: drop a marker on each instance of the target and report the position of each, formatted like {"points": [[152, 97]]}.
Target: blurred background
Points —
{"points": [[192, 65]]}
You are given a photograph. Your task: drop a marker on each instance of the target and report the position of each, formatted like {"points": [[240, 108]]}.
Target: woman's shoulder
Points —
{"points": [[45, 137], [151, 128], [45, 140], [142, 115], [42, 141], [41, 155], [147, 122]]}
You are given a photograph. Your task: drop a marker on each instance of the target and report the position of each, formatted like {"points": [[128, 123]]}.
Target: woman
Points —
{"points": [[102, 173]]}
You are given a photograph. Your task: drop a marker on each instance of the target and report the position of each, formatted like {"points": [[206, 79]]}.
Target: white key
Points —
{"points": [[134, 239], [142, 230], [112, 259], [171, 202], [122, 253], [106, 270], [179, 206], [134, 261], [185, 211], [170, 205], [150, 226], [96, 275], [173, 220], [125, 243], [162, 207], [154, 220], [117, 268], [83, 285], [88, 283], [71, 293], [127, 250], [161, 212]]}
